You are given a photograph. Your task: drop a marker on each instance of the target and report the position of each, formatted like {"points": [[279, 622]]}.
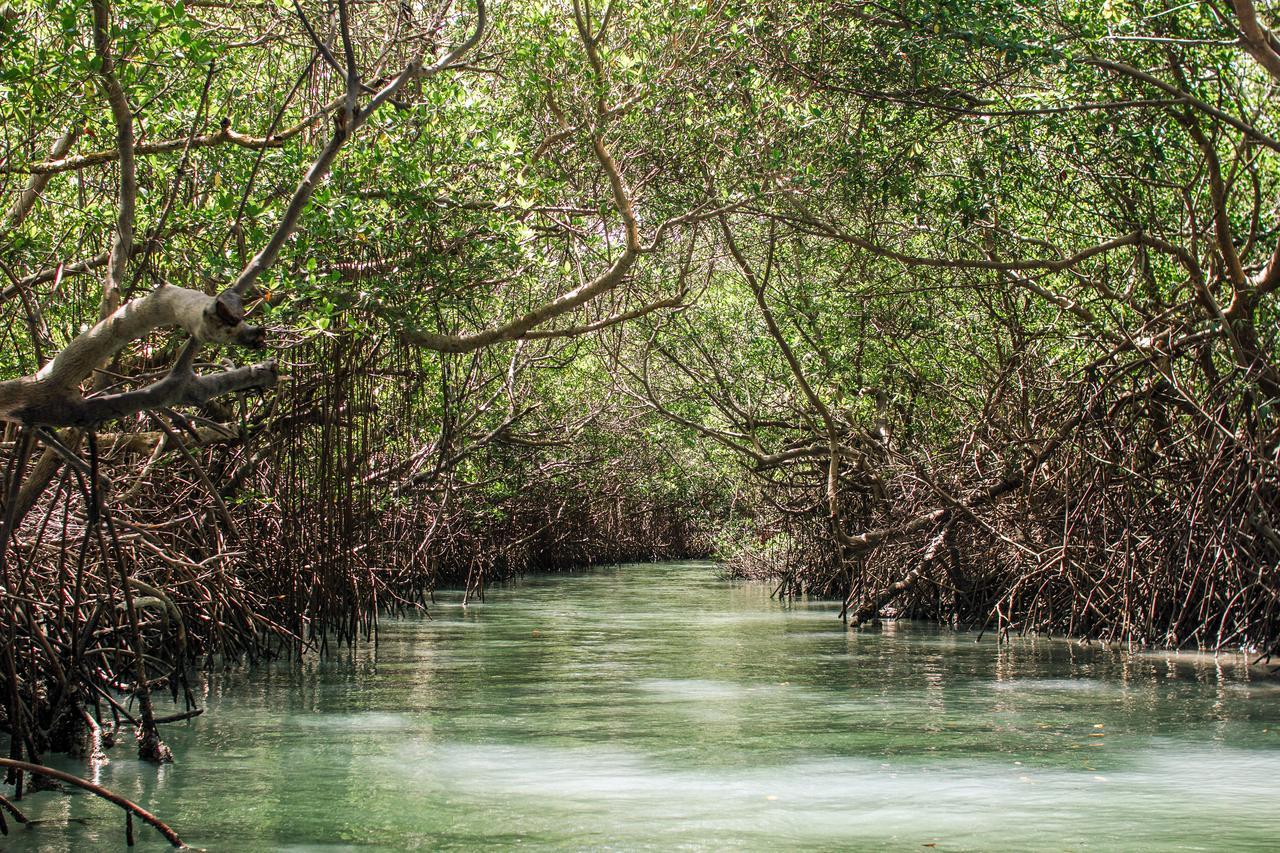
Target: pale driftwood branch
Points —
{"points": [[47, 406], [207, 319], [52, 396]]}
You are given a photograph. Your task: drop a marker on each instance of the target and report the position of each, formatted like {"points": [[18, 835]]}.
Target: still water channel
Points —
{"points": [[659, 707]]}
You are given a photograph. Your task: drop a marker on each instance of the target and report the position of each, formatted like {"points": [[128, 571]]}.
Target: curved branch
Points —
{"points": [[1257, 40], [521, 326], [612, 320], [268, 254], [1186, 97], [97, 790], [225, 135], [207, 319], [1133, 238], [33, 402]]}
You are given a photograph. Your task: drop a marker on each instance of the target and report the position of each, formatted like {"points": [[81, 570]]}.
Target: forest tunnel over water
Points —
{"points": [[963, 314]]}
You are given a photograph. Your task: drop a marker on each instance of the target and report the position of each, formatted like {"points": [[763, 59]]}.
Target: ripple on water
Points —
{"points": [[956, 804], [1056, 685]]}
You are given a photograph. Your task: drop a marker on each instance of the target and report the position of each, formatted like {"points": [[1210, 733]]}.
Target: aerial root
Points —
{"points": [[129, 807]]}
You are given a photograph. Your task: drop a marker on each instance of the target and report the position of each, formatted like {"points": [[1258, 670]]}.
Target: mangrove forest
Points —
{"points": [[626, 424]]}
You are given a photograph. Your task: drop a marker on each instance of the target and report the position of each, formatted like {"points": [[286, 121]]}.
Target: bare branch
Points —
{"points": [[612, 320], [1185, 97], [122, 115], [1134, 238], [36, 183], [1259, 41], [268, 254], [225, 135], [584, 293], [207, 319]]}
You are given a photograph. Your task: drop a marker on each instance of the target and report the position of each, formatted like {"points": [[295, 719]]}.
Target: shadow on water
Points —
{"points": [[661, 707]]}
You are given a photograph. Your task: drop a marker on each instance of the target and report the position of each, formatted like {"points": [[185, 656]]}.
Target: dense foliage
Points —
{"points": [[963, 310]]}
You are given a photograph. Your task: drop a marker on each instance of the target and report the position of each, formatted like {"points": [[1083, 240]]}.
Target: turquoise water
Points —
{"points": [[659, 707]]}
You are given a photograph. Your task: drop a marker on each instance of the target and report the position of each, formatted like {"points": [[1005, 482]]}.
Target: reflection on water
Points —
{"points": [[658, 707]]}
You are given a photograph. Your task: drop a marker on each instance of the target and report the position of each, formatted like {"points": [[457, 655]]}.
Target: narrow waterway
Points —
{"points": [[659, 707]]}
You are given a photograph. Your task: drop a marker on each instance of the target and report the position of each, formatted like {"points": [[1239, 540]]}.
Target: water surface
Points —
{"points": [[659, 707]]}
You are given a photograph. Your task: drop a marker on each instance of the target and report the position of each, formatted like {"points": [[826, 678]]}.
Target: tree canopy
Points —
{"points": [[959, 309]]}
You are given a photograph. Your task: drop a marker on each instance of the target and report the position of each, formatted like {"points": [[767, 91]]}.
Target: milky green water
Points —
{"points": [[658, 707]]}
